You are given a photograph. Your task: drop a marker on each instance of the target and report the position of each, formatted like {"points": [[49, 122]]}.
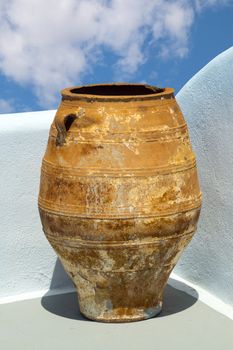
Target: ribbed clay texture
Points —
{"points": [[119, 195]]}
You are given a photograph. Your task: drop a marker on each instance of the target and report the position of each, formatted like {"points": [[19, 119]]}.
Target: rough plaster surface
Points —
{"points": [[28, 263], [207, 103]]}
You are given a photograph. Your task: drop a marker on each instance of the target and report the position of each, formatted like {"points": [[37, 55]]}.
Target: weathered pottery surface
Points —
{"points": [[119, 195]]}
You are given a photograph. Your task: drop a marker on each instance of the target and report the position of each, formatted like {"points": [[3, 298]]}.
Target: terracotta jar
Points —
{"points": [[119, 195]]}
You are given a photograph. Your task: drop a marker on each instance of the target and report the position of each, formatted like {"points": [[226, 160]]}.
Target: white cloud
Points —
{"points": [[6, 106], [201, 4], [50, 44]]}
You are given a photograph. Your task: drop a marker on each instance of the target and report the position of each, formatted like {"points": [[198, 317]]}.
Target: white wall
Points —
{"points": [[28, 264], [207, 103], [26, 260]]}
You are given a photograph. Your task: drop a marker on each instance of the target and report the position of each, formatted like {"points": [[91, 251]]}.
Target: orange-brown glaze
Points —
{"points": [[119, 196]]}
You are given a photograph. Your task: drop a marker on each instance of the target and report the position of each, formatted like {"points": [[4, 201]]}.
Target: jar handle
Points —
{"points": [[62, 121]]}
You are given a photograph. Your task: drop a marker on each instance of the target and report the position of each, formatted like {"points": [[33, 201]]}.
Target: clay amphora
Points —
{"points": [[119, 195]]}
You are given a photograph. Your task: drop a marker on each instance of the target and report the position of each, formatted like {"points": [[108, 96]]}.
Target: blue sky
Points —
{"points": [[47, 45]]}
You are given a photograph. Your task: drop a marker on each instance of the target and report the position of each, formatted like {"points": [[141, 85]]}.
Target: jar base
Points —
{"points": [[125, 314]]}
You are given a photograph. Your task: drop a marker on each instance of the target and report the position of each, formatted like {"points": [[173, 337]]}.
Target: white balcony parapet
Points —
{"points": [[27, 260], [207, 103]]}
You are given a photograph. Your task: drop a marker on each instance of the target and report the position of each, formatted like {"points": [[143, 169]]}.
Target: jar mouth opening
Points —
{"points": [[114, 91], [117, 90]]}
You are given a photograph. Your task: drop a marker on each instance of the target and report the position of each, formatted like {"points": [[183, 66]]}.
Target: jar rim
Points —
{"points": [[114, 92]]}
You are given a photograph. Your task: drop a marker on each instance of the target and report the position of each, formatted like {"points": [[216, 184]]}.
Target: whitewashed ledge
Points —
{"points": [[28, 265]]}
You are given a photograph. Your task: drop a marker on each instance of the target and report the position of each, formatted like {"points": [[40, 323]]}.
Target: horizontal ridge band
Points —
{"points": [[73, 212], [50, 168], [114, 244], [132, 136]]}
